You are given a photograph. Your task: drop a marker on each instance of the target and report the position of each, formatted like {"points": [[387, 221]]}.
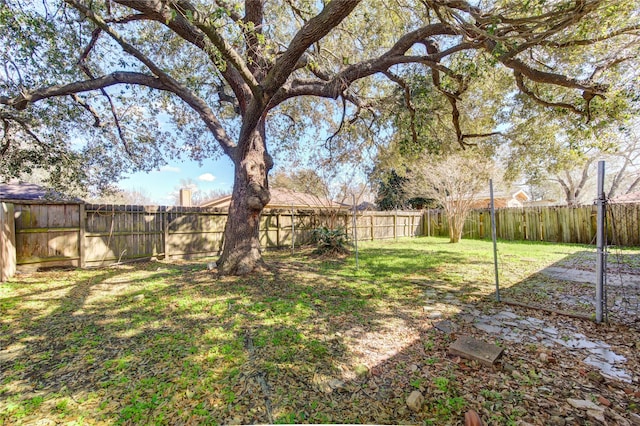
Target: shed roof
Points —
{"points": [[33, 192]]}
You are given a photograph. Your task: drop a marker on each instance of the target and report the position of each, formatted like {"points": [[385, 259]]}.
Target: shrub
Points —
{"points": [[331, 240]]}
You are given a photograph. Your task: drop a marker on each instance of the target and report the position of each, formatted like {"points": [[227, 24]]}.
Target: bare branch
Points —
{"points": [[524, 89], [586, 42], [126, 19], [89, 108], [480, 135], [327, 142], [22, 123]]}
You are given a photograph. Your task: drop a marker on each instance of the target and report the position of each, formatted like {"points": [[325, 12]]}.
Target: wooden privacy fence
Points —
{"points": [[553, 224], [55, 234]]}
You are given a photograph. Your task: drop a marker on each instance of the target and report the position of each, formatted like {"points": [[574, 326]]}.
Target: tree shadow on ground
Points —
{"points": [[306, 343], [569, 285]]}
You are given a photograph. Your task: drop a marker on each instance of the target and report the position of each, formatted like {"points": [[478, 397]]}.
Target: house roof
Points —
{"points": [[632, 197], [33, 192], [283, 198], [519, 195]]}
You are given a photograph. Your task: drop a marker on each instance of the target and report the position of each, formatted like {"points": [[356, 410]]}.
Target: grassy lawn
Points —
{"points": [[313, 341]]}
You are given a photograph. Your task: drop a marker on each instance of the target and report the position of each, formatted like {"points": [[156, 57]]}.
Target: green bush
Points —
{"points": [[331, 240]]}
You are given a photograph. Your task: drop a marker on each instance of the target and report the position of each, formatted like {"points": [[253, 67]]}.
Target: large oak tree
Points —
{"points": [[231, 67]]}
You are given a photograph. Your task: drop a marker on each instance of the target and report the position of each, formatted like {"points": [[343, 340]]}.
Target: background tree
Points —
{"points": [[135, 196], [232, 67], [547, 153], [392, 194], [454, 181], [305, 180]]}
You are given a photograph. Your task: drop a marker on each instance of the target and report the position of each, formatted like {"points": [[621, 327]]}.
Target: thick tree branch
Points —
{"points": [[312, 31], [5, 136], [554, 78], [333, 87], [21, 101], [170, 83], [228, 52], [155, 10]]}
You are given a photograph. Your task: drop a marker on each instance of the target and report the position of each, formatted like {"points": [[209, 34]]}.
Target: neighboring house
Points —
{"points": [[31, 192], [502, 199], [630, 198], [366, 206], [284, 199]]}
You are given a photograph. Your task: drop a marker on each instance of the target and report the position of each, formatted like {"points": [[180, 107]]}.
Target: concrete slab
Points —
{"points": [[582, 276], [474, 349]]}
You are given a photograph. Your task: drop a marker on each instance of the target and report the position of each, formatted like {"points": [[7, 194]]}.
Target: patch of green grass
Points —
{"points": [[205, 349]]}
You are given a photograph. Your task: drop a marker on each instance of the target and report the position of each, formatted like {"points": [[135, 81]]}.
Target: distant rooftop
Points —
{"points": [[283, 198], [632, 197]]}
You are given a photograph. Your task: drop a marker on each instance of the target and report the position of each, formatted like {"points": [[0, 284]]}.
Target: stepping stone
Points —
{"points": [[488, 328], [445, 326], [474, 349]]}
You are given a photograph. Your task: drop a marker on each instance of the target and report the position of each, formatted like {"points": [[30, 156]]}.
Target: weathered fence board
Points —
{"points": [[47, 234], [7, 241]]}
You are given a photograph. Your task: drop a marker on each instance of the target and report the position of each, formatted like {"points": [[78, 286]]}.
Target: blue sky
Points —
{"points": [[159, 185]]}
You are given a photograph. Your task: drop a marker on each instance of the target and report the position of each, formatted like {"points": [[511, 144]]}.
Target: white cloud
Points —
{"points": [[170, 169], [207, 177]]}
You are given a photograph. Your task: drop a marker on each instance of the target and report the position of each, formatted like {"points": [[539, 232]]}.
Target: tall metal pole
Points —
{"points": [[355, 228], [493, 237], [600, 245]]}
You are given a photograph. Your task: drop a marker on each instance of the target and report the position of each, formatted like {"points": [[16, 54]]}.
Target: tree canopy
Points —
{"points": [[139, 80]]}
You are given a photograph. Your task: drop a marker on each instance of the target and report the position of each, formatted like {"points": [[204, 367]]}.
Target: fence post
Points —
{"points": [[165, 228], [293, 230], [372, 237], [395, 224], [7, 241], [82, 227]]}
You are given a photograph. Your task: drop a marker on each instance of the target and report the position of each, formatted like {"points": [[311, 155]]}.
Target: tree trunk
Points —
{"points": [[241, 253], [456, 224]]}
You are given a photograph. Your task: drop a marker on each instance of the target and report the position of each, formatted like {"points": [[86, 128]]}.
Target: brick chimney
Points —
{"points": [[185, 197]]}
